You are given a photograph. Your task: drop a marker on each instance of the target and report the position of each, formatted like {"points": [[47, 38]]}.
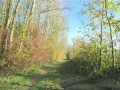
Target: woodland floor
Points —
{"points": [[56, 76]]}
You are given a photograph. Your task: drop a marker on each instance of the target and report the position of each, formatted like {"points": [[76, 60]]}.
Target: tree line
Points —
{"points": [[98, 52], [31, 33]]}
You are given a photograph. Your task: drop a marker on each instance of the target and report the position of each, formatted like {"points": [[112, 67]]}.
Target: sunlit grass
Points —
{"points": [[13, 81], [52, 80], [49, 84], [57, 76]]}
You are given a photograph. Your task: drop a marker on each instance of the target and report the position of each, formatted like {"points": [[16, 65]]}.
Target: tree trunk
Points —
{"points": [[9, 13], [14, 20], [101, 38], [27, 22], [111, 37]]}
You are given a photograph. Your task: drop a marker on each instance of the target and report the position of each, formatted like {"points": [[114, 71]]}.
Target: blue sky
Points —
{"points": [[73, 19]]}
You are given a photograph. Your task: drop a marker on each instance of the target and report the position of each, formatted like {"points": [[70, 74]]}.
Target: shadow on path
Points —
{"points": [[74, 81]]}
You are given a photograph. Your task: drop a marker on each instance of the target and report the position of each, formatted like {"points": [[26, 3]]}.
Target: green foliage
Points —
{"points": [[86, 56], [29, 39], [48, 84]]}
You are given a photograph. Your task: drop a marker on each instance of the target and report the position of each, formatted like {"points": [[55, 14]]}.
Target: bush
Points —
{"points": [[84, 67]]}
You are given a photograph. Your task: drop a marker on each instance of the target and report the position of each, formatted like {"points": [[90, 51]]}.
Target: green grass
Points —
{"points": [[57, 76], [76, 81], [45, 77], [48, 83], [52, 80], [19, 81], [12, 82]]}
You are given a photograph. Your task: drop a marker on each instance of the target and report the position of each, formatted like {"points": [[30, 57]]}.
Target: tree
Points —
{"points": [[31, 29]]}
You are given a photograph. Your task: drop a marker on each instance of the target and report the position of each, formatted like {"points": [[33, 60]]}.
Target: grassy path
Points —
{"points": [[56, 76], [42, 78]]}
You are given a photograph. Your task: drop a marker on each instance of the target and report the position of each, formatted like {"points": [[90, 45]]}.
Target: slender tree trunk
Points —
{"points": [[9, 18], [14, 20], [30, 17], [9, 13], [27, 22], [111, 37], [101, 38]]}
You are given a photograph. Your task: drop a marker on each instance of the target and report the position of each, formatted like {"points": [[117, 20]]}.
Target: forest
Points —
{"points": [[34, 49]]}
